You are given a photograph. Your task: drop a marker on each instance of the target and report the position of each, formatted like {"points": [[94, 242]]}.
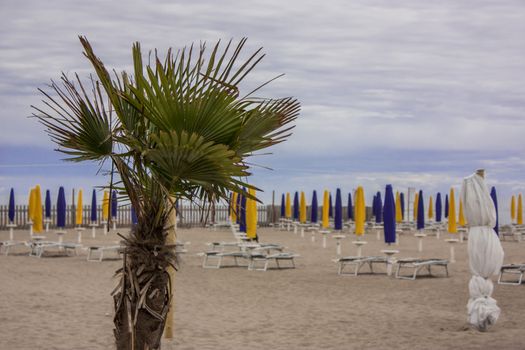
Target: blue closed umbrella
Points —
{"points": [[389, 216], [238, 207], [402, 201], [283, 206], [330, 207], [494, 197], [350, 207], [242, 221], [48, 204], [114, 204], [420, 211], [379, 207], [374, 206], [438, 207], [61, 208], [314, 208], [134, 219], [12, 205], [94, 206], [446, 206], [338, 217], [296, 206]]}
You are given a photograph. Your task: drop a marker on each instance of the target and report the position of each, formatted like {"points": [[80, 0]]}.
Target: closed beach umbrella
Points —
{"points": [[402, 198], [519, 214], [338, 212], [114, 203], [326, 209], [446, 206], [251, 216], [360, 211], [399, 215], [242, 222], [296, 206], [238, 208], [11, 209], [374, 206], [314, 208], [38, 221], [48, 204], [379, 208], [94, 206], [61, 208], [31, 206], [330, 206], [390, 210], [452, 224], [288, 206], [461, 215], [494, 197], [105, 206], [420, 211], [439, 209], [233, 207], [350, 207], [283, 206], [134, 219], [302, 209], [78, 216], [513, 209], [416, 205], [430, 209], [484, 251]]}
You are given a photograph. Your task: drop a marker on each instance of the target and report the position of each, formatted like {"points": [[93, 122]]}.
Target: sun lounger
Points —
{"points": [[7, 245], [417, 265], [259, 257], [38, 248], [96, 253], [218, 256], [358, 262], [512, 269]]}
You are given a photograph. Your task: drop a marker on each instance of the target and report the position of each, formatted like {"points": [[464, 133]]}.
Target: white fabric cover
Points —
{"points": [[484, 251]]}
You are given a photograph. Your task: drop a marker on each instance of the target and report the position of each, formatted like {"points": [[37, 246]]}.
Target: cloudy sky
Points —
{"points": [[412, 93]]}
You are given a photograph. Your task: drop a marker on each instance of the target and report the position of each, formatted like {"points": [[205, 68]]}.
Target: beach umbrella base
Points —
{"points": [[79, 233], [324, 233], [11, 231], [93, 230], [359, 245], [451, 242], [30, 223], [47, 222], [389, 259], [105, 227], [338, 239], [60, 235], [420, 237], [114, 224]]}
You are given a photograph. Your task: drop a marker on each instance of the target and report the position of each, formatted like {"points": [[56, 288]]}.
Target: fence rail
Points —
{"points": [[189, 215]]}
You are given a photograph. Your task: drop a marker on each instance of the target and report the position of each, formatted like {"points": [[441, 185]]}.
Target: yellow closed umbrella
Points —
{"points": [[251, 215], [31, 206], [288, 211], [513, 209], [399, 214], [360, 211], [38, 216], [233, 207], [452, 225], [461, 215], [430, 209], [519, 214], [302, 209], [326, 209], [105, 206], [416, 199], [78, 216]]}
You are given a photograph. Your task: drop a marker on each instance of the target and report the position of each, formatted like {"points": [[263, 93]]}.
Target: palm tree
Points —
{"points": [[176, 128]]}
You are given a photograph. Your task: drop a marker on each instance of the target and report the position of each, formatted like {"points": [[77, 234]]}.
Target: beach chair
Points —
{"points": [[96, 253], [358, 262], [417, 264], [7, 245], [262, 258], [38, 248], [512, 269], [213, 259]]}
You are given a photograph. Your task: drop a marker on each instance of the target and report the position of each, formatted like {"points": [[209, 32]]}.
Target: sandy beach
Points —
{"points": [[64, 302]]}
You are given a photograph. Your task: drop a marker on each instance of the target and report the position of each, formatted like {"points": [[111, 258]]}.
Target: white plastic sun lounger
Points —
{"points": [[259, 257], [512, 269], [96, 253], [7, 245], [38, 248], [217, 256], [417, 265], [358, 262]]}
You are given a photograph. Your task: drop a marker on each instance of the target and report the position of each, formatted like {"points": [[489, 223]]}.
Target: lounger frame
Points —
{"points": [[417, 265], [512, 269]]}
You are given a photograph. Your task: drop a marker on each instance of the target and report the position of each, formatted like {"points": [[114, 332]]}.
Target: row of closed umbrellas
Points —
{"points": [[39, 213]]}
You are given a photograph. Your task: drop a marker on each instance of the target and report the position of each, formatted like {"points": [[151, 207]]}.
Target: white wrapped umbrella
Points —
{"points": [[484, 250]]}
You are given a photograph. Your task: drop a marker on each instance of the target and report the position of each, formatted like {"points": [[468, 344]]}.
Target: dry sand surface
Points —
{"points": [[64, 302]]}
